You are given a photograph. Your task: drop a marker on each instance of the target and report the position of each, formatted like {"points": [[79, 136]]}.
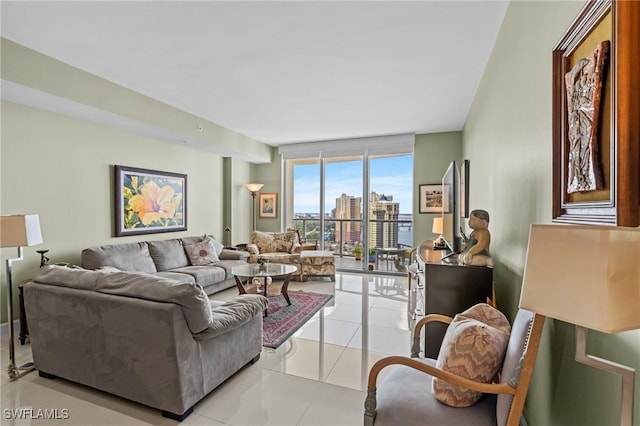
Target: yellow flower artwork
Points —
{"points": [[150, 201]]}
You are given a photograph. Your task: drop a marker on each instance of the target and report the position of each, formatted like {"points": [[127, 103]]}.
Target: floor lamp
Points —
{"points": [[17, 231], [588, 276], [254, 188]]}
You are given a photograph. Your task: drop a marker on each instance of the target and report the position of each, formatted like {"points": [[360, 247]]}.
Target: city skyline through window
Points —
{"points": [[389, 176]]}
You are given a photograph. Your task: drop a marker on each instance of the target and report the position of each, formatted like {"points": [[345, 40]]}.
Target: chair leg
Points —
{"points": [[370, 408]]}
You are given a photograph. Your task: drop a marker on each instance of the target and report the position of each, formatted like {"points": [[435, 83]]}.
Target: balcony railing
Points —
{"points": [[342, 236]]}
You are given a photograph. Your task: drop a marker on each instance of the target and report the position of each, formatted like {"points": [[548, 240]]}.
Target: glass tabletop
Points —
{"points": [[251, 270]]}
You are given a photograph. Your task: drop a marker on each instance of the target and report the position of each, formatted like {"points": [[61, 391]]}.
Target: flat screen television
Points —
{"points": [[451, 230]]}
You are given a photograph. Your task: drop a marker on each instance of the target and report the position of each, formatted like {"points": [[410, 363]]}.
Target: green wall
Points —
{"points": [[62, 167], [271, 176], [431, 156], [507, 138]]}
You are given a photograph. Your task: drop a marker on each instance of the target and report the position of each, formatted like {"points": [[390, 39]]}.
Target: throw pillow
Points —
{"points": [[202, 253], [473, 347], [217, 245]]}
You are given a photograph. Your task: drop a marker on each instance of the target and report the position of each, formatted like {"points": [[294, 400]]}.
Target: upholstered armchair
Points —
{"points": [[275, 247], [405, 395]]}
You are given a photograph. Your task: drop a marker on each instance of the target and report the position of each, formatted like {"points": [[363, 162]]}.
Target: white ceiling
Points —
{"points": [[279, 72]]}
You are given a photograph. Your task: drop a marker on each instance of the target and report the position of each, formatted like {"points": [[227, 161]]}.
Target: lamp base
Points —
{"points": [[627, 373], [16, 372]]}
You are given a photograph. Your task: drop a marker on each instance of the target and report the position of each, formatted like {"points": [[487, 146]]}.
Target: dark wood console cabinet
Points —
{"points": [[447, 288]]}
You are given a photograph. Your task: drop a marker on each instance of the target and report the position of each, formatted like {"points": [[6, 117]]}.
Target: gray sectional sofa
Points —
{"points": [[167, 259], [155, 340]]}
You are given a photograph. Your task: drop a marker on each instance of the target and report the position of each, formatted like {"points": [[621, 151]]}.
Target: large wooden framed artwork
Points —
{"points": [[149, 201], [596, 110]]}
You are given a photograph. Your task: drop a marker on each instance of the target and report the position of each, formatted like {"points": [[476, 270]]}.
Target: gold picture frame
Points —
{"points": [[268, 205]]}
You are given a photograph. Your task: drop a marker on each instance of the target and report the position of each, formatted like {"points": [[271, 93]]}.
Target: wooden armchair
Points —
{"points": [[405, 396]]}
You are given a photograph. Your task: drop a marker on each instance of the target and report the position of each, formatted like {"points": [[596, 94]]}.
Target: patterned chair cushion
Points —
{"points": [[473, 347]]}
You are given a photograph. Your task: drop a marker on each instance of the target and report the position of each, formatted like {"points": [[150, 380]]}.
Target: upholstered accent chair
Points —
{"points": [[405, 394]]}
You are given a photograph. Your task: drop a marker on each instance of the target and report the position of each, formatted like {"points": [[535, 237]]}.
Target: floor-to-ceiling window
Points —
{"points": [[356, 202], [390, 211]]}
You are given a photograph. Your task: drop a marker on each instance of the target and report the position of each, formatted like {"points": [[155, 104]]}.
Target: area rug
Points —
{"points": [[283, 320]]}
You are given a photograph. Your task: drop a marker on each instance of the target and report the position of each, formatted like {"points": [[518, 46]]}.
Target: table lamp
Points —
{"points": [[253, 189], [17, 231], [437, 229], [588, 276]]}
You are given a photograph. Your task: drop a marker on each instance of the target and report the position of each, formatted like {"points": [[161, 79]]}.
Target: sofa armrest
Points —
{"points": [[253, 249], [228, 254], [232, 314]]}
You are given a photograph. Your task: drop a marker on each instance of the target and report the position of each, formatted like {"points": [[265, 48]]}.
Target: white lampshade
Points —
{"points": [[437, 226], [254, 187], [20, 230], [584, 275]]}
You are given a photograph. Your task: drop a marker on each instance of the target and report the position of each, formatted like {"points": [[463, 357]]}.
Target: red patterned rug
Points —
{"points": [[283, 320]]}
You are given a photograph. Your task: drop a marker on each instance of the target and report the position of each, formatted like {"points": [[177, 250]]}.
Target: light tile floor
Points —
{"points": [[317, 377]]}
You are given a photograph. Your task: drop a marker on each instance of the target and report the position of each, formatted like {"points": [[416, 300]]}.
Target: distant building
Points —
{"points": [[348, 207], [382, 209]]}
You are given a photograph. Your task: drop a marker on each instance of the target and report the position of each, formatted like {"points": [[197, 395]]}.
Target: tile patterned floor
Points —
{"points": [[317, 377]]}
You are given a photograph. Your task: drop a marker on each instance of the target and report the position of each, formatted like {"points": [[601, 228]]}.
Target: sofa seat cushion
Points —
{"points": [[473, 347], [292, 259], [168, 254], [232, 314], [204, 275], [178, 276], [126, 257]]}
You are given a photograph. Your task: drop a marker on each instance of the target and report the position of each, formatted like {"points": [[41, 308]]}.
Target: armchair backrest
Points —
{"points": [[518, 365], [270, 242]]}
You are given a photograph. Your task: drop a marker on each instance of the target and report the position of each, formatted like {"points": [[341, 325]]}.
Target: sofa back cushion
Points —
{"points": [[273, 242], [168, 254], [126, 257], [190, 296], [61, 276]]}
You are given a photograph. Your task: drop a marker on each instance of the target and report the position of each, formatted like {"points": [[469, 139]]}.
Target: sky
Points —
{"points": [[389, 176]]}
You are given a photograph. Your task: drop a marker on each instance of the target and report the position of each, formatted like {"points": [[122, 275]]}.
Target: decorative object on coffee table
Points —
{"points": [[284, 320], [246, 273]]}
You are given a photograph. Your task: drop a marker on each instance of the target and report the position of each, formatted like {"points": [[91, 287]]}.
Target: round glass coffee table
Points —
{"points": [[245, 274]]}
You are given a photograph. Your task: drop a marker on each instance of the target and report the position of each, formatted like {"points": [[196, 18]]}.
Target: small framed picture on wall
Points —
{"points": [[431, 198], [268, 205]]}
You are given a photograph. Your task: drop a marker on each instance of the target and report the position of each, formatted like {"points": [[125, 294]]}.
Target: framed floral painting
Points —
{"points": [[149, 201]]}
